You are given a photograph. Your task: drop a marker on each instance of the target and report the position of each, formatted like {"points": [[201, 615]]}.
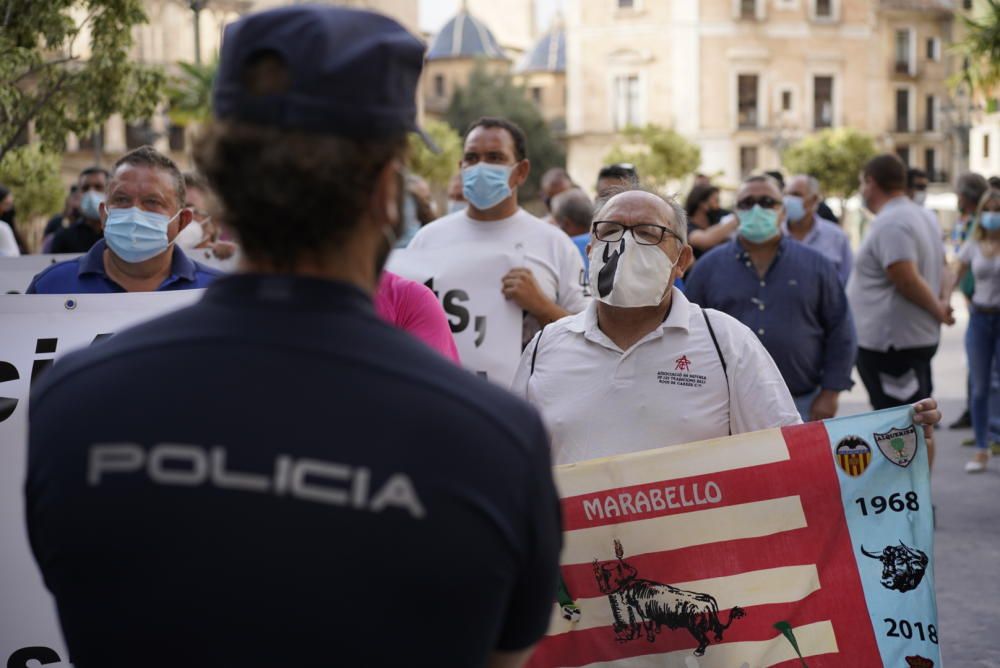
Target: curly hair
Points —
{"points": [[290, 195]]}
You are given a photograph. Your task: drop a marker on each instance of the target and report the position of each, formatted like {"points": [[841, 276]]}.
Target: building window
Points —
{"points": [[902, 110], [176, 137], [626, 4], [903, 52], [929, 119], [933, 48], [966, 4], [748, 160], [626, 101], [824, 9], [139, 134], [536, 94], [929, 165], [786, 100], [904, 154], [746, 96], [986, 146], [92, 142], [822, 102], [438, 85], [748, 9]]}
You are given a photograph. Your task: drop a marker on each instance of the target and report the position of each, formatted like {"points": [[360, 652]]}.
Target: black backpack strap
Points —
{"points": [[534, 353], [718, 348]]}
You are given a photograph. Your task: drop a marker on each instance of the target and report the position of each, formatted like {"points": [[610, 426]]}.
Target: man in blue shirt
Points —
{"points": [[274, 476], [804, 224], [788, 294], [573, 212], [142, 215]]}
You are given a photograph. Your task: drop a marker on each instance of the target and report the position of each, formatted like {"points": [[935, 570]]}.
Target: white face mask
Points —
{"points": [[191, 236], [628, 274], [920, 197]]}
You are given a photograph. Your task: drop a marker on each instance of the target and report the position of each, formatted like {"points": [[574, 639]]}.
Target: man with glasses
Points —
{"points": [[788, 294], [642, 367], [494, 165]]}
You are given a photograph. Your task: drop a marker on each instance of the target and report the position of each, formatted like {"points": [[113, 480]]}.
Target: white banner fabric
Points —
{"points": [[467, 280], [16, 272]]}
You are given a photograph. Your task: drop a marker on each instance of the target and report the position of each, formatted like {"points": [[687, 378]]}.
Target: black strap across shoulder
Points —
{"points": [[534, 353], [715, 341]]}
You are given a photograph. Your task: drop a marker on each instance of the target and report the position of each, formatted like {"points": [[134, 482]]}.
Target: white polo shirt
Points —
{"points": [[669, 388]]}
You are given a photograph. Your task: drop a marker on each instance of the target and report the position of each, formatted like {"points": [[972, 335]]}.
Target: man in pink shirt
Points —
{"points": [[413, 308]]}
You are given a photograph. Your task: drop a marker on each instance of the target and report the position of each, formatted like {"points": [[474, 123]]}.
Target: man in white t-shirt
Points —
{"points": [[494, 165], [642, 367]]}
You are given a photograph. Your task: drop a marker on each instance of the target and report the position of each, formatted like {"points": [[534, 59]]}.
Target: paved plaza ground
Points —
{"points": [[967, 541]]}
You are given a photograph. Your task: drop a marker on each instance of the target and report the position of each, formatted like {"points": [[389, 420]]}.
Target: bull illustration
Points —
{"points": [[903, 567], [643, 606]]}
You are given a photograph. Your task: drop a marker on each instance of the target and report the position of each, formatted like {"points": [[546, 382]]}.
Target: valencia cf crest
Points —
{"points": [[853, 455], [898, 445]]}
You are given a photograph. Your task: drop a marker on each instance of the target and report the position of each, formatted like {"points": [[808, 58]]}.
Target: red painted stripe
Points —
{"points": [[737, 486], [825, 542]]}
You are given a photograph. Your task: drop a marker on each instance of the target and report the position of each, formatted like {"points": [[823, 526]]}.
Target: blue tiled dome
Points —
{"points": [[548, 54], [464, 36]]}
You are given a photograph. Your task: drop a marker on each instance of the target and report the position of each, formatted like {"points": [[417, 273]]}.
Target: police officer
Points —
{"points": [[356, 499]]}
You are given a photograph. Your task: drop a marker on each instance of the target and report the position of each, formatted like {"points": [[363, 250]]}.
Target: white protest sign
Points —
{"points": [[466, 278], [16, 272], [37, 329]]}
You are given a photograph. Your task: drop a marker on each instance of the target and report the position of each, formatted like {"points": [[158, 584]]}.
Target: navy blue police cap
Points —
{"points": [[347, 72]]}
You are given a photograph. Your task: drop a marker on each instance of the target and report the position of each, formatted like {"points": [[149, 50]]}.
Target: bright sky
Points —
{"points": [[434, 13]]}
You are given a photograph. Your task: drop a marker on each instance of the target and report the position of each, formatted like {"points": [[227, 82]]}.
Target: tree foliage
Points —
{"points": [[834, 156], [190, 92], [32, 174], [45, 81], [489, 94], [659, 154], [981, 47], [436, 168]]}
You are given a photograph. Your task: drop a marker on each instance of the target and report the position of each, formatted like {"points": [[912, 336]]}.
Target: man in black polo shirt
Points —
{"points": [[353, 499], [87, 230]]}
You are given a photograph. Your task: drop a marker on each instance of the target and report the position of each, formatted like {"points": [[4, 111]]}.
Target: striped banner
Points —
{"points": [[778, 548]]}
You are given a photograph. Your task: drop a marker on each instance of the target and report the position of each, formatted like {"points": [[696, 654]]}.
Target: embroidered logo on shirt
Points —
{"points": [[682, 363]]}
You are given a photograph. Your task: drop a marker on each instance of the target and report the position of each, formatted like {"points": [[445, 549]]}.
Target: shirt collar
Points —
{"points": [[679, 317], [813, 233], [742, 254], [288, 292], [181, 266]]}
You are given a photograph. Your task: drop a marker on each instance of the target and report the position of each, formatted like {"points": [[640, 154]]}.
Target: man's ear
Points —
{"points": [[520, 173], [102, 213], [184, 218], [686, 259]]}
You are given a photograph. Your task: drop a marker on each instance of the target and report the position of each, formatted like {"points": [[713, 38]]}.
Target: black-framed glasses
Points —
{"points": [[646, 234], [765, 202]]}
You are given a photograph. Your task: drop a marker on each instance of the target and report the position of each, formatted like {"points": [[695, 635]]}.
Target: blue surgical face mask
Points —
{"points": [[757, 224], [90, 204], [135, 235], [485, 185], [794, 208], [990, 220]]}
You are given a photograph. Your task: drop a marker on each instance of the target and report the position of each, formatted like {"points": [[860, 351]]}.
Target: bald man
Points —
{"points": [[642, 367]]}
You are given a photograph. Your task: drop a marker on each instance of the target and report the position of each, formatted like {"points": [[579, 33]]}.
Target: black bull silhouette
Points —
{"points": [[903, 567], [643, 605]]}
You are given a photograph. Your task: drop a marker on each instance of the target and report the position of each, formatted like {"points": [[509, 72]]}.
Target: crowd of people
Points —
{"points": [[647, 322]]}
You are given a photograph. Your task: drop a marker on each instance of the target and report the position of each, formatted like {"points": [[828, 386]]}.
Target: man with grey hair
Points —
{"points": [[804, 224], [788, 294], [142, 216], [573, 211], [642, 367]]}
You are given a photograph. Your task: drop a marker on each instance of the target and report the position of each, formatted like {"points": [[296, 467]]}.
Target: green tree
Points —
{"points": [[489, 94], [190, 92], [45, 83], [32, 174], [981, 47], [436, 168], [659, 154], [834, 157]]}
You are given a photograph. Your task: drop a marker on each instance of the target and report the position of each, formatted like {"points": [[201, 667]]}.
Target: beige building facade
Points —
{"points": [[744, 79]]}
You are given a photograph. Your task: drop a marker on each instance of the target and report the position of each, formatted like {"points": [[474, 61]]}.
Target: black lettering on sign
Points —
{"points": [[430, 286], [480, 330], [43, 347], [43, 655], [453, 308], [905, 629], [897, 503], [8, 372]]}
